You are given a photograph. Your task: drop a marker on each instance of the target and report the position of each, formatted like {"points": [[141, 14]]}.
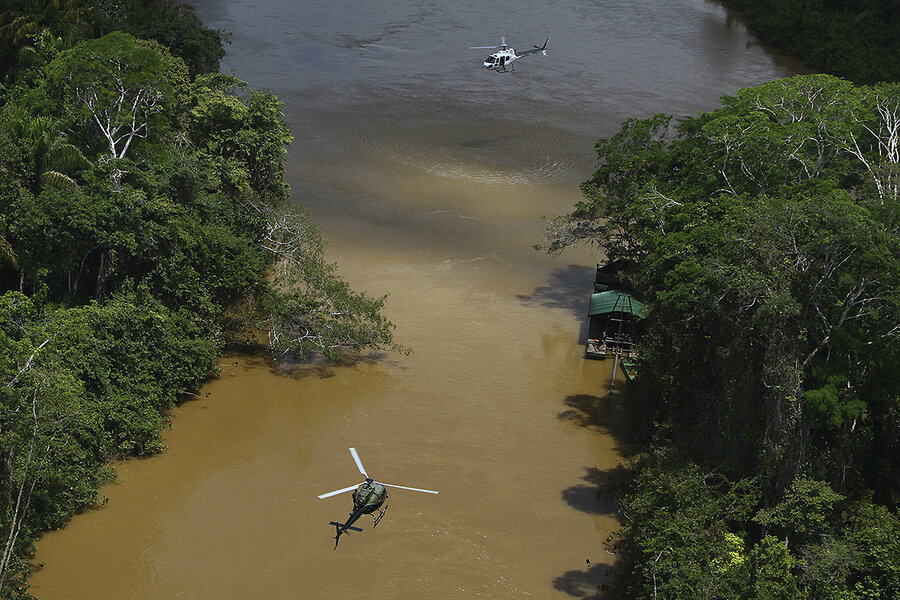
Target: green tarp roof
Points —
{"points": [[616, 301]]}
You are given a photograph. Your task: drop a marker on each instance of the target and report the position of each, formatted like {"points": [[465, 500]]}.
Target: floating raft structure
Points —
{"points": [[614, 316]]}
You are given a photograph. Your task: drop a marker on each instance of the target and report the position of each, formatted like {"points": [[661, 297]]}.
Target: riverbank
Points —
{"points": [[429, 181], [855, 41], [119, 259]]}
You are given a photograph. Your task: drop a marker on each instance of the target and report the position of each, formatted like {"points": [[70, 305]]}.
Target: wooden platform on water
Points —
{"points": [[606, 346]]}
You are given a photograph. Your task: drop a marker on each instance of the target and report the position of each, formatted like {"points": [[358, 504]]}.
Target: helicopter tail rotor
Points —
{"points": [[337, 535]]}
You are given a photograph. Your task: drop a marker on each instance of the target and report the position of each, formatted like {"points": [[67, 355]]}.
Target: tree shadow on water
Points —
{"points": [[569, 287], [243, 357], [593, 582], [605, 415], [586, 498], [602, 413], [320, 367]]}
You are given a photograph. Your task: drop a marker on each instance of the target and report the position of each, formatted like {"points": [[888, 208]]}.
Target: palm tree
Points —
{"points": [[26, 24], [54, 157]]}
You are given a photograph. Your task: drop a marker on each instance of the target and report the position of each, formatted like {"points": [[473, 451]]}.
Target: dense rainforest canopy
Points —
{"points": [[765, 236], [144, 222], [855, 40], [144, 219]]}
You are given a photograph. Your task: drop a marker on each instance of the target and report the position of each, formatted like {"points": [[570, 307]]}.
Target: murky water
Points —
{"points": [[429, 176]]}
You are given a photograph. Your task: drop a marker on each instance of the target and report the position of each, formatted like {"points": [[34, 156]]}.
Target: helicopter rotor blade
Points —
{"points": [[403, 487], [502, 45], [336, 492], [358, 463]]}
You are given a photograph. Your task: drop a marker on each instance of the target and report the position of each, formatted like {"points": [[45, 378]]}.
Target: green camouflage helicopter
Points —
{"points": [[369, 496]]}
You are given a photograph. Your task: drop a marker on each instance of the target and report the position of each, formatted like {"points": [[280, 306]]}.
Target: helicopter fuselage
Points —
{"points": [[503, 58], [498, 60], [367, 498]]}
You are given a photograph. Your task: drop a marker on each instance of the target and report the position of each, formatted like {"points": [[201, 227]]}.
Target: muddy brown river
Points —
{"points": [[429, 176]]}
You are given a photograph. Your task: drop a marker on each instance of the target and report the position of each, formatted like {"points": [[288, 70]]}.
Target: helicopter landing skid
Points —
{"points": [[379, 517]]}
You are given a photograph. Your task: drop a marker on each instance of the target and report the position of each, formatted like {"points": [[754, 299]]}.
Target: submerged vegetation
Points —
{"points": [[144, 223], [765, 236]]}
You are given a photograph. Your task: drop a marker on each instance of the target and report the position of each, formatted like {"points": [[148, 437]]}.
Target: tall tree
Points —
{"points": [[122, 89], [764, 236]]}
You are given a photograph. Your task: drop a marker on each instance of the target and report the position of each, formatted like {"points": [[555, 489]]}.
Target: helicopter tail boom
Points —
{"points": [[341, 526]]}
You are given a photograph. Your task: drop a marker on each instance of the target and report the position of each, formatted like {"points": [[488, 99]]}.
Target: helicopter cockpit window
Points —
{"points": [[490, 59]]}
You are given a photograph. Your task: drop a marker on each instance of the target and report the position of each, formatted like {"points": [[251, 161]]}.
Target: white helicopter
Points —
{"points": [[499, 60]]}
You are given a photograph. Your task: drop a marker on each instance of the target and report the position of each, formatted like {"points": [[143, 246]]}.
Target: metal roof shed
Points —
{"points": [[611, 301]]}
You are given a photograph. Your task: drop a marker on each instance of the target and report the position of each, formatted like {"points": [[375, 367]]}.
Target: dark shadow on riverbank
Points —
{"points": [[593, 582], [253, 356], [586, 497], [321, 367], [603, 413], [569, 288]]}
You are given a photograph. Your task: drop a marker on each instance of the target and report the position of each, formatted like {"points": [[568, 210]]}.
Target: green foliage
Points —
{"points": [[692, 534], [175, 25], [244, 142], [136, 357], [772, 571], [762, 247], [52, 159], [804, 509], [58, 231], [832, 404], [33, 31], [764, 237], [116, 90], [850, 39], [309, 309], [143, 208], [678, 539], [78, 385], [874, 532]]}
